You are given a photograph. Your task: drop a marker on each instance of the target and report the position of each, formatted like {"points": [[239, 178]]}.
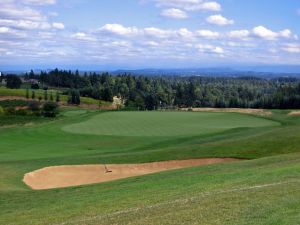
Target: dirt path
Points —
{"points": [[68, 176]]}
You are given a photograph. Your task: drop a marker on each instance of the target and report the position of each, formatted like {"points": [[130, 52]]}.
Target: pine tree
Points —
{"points": [[46, 95], [57, 97], [51, 97], [27, 93], [33, 95]]}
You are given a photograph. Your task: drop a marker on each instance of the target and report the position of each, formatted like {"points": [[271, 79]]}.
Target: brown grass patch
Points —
{"points": [[260, 112], [294, 113], [4, 98]]}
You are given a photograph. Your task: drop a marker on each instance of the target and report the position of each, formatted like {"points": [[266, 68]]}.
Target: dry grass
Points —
{"points": [[260, 112], [294, 113]]}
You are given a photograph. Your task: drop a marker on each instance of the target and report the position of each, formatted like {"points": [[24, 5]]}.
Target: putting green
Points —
{"points": [[164, 123]]}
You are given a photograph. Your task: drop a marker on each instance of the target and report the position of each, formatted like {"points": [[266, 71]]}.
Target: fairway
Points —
{"points": [[165, 123]]}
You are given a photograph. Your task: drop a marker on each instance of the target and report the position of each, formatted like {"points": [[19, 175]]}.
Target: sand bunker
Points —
{"points": [[67, 176]]}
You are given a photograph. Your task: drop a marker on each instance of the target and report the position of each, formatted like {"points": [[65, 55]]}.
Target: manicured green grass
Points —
{"points": [[165, 123], [264, 190]]}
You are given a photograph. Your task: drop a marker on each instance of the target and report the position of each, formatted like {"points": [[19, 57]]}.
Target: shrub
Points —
{"points": [[22, 112], [50, 109], [1, 111], [35, 107], [10, 111], [74, 97], [35, 86], [13, 82], [33, 95]]}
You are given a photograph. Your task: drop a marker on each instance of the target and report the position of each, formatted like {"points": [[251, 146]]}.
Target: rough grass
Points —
{"points": [[9, 120], [13, 103], [40, 93], [264, 190]]}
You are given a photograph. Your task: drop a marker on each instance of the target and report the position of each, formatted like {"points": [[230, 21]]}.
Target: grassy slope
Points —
{"points": [[22, 93], [26, 149], [184, 197]]}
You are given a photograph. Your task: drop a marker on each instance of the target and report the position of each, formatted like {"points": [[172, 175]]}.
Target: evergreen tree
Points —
{"points": [[57, 97], [51, 97], [46, 95], [27, 93], [13, 81], [33, 95]]}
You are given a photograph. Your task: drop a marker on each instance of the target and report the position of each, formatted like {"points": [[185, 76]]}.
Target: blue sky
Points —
{"points": [[111, 34]]}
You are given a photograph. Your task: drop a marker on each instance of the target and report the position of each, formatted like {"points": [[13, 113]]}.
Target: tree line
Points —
{"points": [[152, 92]]}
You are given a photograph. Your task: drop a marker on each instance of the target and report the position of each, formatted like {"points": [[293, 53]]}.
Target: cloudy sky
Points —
{"points": [[108, 34]]}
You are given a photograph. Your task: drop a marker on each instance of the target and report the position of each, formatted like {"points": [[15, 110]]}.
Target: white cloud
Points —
{"points": [[151, 43], [292, 48], [83, 36], [261, 32], [119, 29], [174, 13], [185, 33], [219, 20], [240, 44], [265, 33], [59, 26], [285, 33], [156, 32], [239, 34], [207, 34], [18, 15], [211, 6], [39, 2], [25, 24], [9, 31], [190, 5], [123, 44], [11, 11], [210, 49], [45, 35], [4, 30]]}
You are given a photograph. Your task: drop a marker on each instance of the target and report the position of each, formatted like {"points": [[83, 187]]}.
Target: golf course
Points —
{"points": [[151, 167]]}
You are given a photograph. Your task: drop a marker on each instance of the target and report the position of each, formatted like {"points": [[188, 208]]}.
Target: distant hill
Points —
{"points": [[263, 72], [234, 71]]}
